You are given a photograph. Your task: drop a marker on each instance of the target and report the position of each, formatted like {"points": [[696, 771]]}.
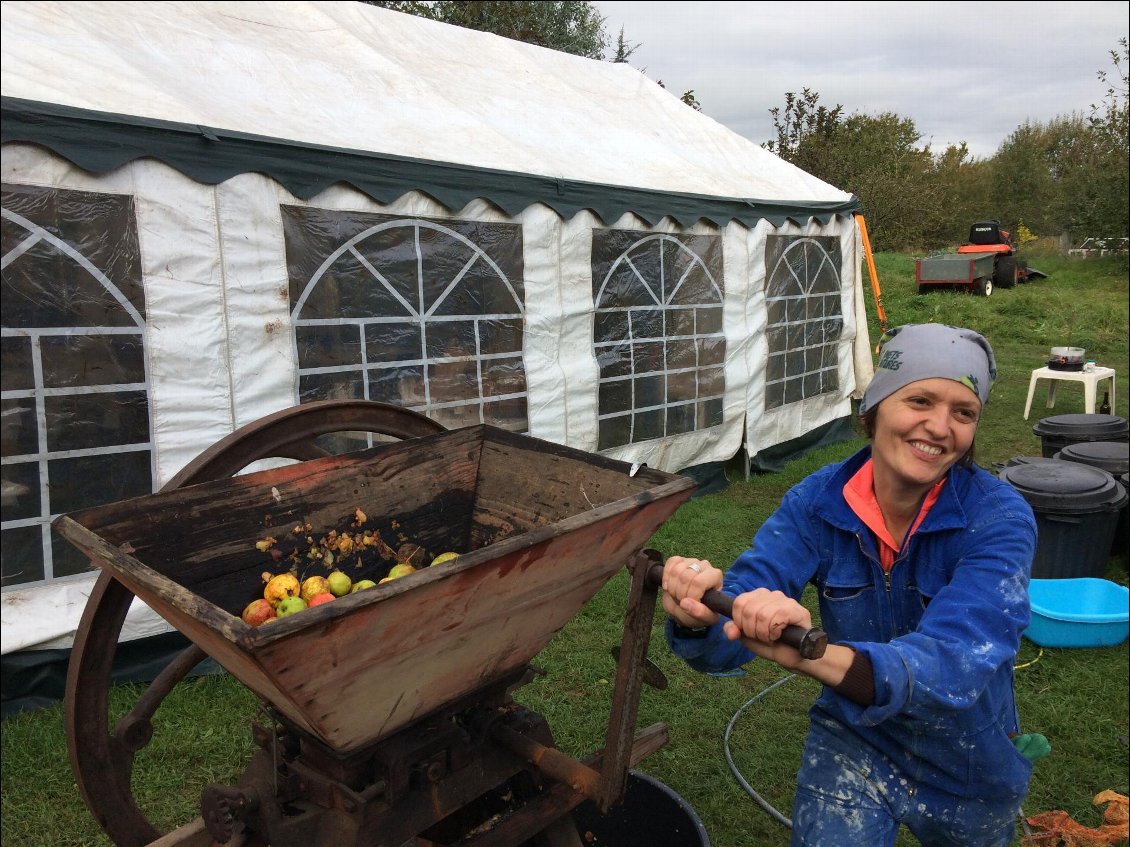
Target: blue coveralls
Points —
{"points": [[942, 629]]}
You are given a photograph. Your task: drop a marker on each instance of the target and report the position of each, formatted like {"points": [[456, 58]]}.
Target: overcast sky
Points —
{"points": [[969, 72]]}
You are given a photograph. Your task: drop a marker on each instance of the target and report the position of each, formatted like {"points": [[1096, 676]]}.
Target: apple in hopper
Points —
{"points": [[290, 606], [339, 584], [361, 585], [280, 587], [444, 557], [312, 586], [319, 599], [258, 612]]}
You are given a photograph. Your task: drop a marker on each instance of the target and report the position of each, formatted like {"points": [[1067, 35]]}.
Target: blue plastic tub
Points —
{"points": [[1078, 612]]}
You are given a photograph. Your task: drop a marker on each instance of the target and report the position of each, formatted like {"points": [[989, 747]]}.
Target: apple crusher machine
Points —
{"points": [[370, 746]]}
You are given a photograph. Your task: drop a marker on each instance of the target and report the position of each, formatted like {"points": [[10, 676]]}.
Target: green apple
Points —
{"points": [[362, 584], [339, 584], [289, 606], [397, 571], [444, 557]]}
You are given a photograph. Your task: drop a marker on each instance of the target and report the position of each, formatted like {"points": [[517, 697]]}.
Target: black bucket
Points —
{"points": [[652, 815], [1121, 544], [1114, 458], [1076, 508], [1061, 431]]}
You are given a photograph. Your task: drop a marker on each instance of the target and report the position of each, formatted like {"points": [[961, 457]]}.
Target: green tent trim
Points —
{"points": [[100, 142]]}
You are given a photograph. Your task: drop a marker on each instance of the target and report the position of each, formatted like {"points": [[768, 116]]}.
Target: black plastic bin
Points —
{"points": [[1121, 543], [1076, 508], [1114, 458], [652, 815], [1015, 461], [1061, 431]]}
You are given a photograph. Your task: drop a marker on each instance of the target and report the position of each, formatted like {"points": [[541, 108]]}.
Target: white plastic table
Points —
{"points": [[1090, 385]]}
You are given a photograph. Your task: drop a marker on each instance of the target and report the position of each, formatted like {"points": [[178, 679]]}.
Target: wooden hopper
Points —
{"points": [[541, 528]]}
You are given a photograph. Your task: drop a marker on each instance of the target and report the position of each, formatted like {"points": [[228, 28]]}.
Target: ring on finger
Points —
{"points": [[694, 566]]}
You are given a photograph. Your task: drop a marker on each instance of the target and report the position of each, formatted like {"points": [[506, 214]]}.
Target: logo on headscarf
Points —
{"points": [[891, 360]]}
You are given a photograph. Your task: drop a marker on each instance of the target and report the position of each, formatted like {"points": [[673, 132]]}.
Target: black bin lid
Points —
{"points": [[1099, 426], [1112, 456], [1065, 487], [1027, 460]]}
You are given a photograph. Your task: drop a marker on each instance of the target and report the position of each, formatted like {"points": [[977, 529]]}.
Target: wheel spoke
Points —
{"points": [[134, 729]]}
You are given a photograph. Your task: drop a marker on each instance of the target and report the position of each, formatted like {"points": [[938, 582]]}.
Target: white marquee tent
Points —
{"points": [[216, 210]]}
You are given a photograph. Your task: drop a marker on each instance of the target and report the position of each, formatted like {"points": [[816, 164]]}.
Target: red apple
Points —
{"points": [[319, 599], [257, 612]]}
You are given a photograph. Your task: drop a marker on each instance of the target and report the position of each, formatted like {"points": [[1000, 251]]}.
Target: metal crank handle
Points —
{"points": [[810, 643]]}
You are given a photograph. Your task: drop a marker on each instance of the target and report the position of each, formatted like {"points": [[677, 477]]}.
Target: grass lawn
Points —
{"points": [[1077, 698]]}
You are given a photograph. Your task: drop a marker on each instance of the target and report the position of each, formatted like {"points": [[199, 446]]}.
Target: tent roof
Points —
{"points": [[316, 93]]}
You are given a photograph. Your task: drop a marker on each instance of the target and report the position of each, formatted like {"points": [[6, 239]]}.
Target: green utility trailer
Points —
{"points": [[988, 260], [975, 271]]}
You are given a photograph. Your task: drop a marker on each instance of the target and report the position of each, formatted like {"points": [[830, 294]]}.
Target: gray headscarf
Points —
{"points": [[925, 351]]}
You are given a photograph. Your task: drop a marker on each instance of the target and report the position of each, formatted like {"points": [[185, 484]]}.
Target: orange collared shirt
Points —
{"points": [[859, 492]]}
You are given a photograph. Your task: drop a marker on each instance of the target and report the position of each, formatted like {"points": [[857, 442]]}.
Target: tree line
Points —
{"points": [[1066, 178]]}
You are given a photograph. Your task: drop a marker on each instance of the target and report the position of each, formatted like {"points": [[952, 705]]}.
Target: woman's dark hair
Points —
{"points": [[867, 422]]}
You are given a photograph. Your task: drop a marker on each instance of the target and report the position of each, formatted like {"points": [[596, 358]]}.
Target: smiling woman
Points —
{"points": [[921, 562], [925, 352]]}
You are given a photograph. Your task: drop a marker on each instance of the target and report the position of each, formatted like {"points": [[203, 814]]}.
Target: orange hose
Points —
{"points": [[874, 274]]}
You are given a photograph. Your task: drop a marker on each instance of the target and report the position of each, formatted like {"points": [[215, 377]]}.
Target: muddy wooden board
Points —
{"points": [[540, 528]]}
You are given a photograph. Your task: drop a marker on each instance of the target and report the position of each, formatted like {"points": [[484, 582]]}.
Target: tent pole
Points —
{"points": [[874, 274]]}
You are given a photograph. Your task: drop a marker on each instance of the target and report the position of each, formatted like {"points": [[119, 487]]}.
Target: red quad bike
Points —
{"points": [[988, 260]]}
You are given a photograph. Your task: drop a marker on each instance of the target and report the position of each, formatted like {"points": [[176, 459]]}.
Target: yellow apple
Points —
{"points": [[312, 586], [280, 587]]}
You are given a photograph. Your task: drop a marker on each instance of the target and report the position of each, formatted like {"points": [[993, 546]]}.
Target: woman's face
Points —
{"points": [[922, 429]]}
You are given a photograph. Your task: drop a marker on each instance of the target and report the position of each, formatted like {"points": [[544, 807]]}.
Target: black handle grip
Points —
{"points": [[810, 643]]}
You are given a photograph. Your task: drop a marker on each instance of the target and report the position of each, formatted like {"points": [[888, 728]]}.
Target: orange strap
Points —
{"points": [[874, 274], [985, 248]]}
